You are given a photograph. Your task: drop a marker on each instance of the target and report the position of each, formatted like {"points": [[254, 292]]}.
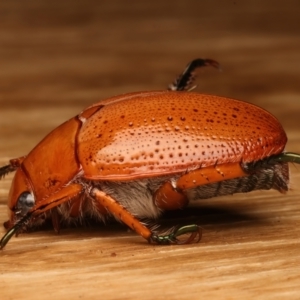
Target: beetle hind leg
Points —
{"points": [[168, 197], [184, 82]]}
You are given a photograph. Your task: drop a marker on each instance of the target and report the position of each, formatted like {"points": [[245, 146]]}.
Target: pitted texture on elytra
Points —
{"points": [[144, 134]]}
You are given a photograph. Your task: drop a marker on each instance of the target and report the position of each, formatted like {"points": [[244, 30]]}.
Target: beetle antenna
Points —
{"points": [[6, 169], [287, 157], [185, 80], [14, 230]]}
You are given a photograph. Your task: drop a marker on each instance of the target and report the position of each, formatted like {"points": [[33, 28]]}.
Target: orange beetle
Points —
{"points": [[136, 155]]}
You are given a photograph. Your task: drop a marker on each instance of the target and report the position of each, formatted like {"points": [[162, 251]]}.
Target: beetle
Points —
{"points": [[136, 155]]}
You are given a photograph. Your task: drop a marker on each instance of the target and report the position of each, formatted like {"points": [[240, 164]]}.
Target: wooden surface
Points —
{"points": [[58, 57]]}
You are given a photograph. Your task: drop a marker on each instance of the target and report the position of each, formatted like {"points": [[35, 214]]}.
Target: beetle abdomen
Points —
{"points": [[158, 133]]}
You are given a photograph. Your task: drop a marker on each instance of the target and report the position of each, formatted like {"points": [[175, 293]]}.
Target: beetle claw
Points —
{"points": [[195, 235]]}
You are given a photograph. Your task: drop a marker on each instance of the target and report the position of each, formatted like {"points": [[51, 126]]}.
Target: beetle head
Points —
{"points": [[44, 171], [20, 198]]}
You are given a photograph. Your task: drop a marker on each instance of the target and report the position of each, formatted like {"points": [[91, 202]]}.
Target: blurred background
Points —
{"points": [[58, 57]]}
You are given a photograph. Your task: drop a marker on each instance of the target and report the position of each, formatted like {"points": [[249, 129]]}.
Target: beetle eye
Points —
{"points": [[25, 203]]}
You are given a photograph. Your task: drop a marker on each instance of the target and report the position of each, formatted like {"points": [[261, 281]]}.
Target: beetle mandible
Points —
{"points": [[135, 155]]}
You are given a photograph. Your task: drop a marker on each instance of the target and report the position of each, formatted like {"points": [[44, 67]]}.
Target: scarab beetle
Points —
{"points": [[135, 155]]}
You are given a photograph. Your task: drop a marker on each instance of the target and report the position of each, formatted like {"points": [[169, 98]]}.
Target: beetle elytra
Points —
{"points": [[133, 156]]}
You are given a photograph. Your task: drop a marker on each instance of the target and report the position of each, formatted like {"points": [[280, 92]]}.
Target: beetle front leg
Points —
{"points": [[172, 195], [121, 213], [14, 164], [69, 192]]}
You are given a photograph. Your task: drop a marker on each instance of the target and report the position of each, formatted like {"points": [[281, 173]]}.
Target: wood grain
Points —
{"points": [[58, 57]]}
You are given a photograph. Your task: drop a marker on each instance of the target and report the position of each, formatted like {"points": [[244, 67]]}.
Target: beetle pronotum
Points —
{"points": [[136, 155]]}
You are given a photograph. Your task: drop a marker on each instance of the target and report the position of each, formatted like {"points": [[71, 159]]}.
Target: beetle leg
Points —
{"points": [[185, 80], [126, 217], [286, 157], [210, 174], [5, 170], [121, 213], [171, 196], [55, 218], [167, 197], [76, 206], [172, 238], [67, 193], [64, 195], [14, 164]]}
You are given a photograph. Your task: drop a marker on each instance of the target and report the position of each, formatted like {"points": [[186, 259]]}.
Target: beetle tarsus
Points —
{"points": [[287, 157], [185, 80], [195, 235], [6, 169]]}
